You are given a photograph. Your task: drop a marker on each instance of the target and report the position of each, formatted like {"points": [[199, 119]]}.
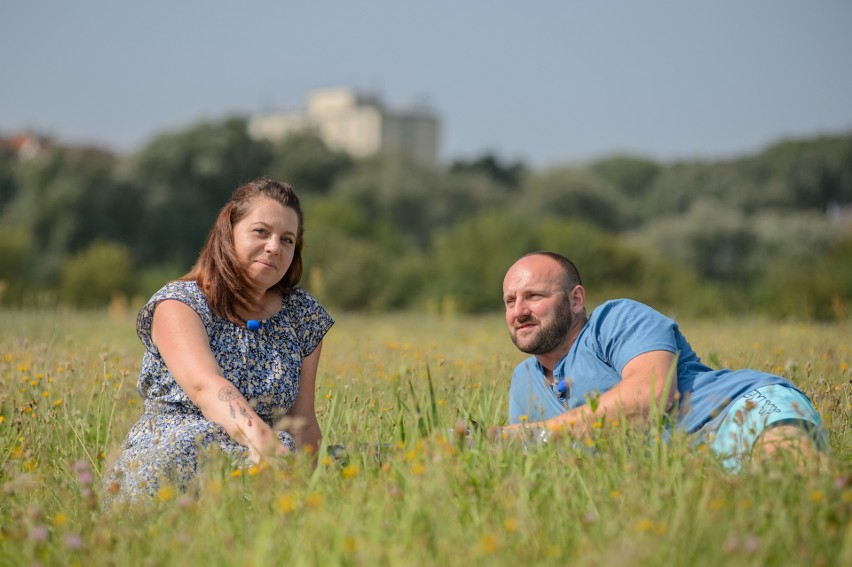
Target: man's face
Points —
{"points": [[538, 313]]}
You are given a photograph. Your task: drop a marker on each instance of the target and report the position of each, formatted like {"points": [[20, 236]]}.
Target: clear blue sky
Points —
{"points": [[544, 81]]}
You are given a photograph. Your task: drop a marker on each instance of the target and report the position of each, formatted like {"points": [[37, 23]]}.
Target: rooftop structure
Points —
{"points": [[356, 123]]}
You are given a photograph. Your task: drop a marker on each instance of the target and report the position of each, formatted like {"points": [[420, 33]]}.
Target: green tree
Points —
{"points": [[15, 268], [355, 262], [712, 239], [493, 168], [602, 257], [63, 203], [808, 277], [631, 176], [793, 234], [815, 173], [95, 275], [611, 266], [791, 175], [182, 181], [471, 258], [8, 179], [576, 193], [677, 187], [418, 201], [304, 161]]}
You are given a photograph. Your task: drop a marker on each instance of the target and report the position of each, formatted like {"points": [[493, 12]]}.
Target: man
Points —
{"points": [[632, 360]]}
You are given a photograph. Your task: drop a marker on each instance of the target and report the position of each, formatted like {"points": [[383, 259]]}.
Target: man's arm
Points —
{"points": [[648, 378]]}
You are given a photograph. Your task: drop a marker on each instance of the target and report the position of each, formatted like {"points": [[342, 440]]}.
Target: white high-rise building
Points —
{"points": [[356, 123]]}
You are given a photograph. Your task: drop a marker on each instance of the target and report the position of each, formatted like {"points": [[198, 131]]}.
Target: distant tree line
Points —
{"points": [[762, 233]]}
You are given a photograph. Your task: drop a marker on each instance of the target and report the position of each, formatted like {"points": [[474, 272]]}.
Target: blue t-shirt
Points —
{"points": [[616, 332]]}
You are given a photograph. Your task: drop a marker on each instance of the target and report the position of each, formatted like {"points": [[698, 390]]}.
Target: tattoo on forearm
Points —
{"points": [[245, 414], [229, 393]]}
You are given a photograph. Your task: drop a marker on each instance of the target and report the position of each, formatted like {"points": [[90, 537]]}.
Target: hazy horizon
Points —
{"points": [[551, 83]]}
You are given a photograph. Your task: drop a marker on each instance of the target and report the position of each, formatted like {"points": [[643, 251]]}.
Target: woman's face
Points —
{"points": [[265, 241]]}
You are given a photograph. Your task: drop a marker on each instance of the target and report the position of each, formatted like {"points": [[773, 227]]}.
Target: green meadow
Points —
{"points": [[412, 488]]}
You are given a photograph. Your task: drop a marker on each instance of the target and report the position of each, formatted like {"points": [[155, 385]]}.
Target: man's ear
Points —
{"points": [[578, 299]]}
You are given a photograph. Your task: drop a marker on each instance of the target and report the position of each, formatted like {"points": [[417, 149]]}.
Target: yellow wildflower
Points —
{"points": [[314, 500], [285, 503], [350, 544], [165, 493], [489, 544]]}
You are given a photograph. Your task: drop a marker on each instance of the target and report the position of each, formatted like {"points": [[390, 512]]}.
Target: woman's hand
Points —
{"points": [[279, 450]]}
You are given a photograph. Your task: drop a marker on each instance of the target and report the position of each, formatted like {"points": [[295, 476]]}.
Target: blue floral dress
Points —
{"points": [[263, 364]]}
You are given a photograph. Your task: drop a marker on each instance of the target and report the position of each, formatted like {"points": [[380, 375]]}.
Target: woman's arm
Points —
{"points": [[302, 416], [180, 336]]}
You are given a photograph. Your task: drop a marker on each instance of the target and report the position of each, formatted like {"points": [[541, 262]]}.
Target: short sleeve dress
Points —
{"points": [[264, 365]]}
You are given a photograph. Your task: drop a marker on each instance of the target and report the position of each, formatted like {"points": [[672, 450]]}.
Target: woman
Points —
{"points": [[230, 349]]}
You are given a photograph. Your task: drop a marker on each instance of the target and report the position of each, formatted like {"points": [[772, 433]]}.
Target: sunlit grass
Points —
{"points": [[412, 488]]}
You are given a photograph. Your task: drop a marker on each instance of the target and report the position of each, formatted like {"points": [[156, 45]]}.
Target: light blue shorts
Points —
{"points": [[756, 411]]}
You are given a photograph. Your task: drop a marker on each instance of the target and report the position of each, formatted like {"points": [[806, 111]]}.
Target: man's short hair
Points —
{"points": [[572, 274]]}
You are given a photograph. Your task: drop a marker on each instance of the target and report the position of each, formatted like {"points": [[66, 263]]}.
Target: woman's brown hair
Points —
{"points": [[219, 272]]}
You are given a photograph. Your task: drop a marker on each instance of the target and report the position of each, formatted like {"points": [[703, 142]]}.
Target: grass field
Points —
{"points": [[392, 390]]}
